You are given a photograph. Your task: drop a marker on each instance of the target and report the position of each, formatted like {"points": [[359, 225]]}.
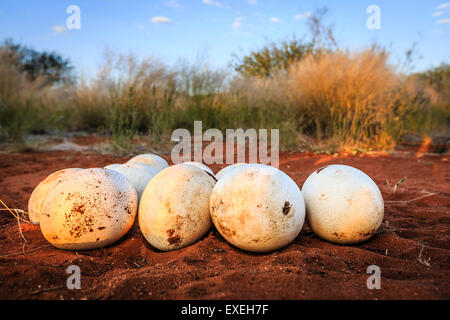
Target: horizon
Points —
{"points": [[213, 30]]}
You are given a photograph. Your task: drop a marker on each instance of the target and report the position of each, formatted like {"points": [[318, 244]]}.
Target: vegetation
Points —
{"points": [[272, 58], [321, 97], [45, 65], [353, 99], [436, 85], [280, 56]]}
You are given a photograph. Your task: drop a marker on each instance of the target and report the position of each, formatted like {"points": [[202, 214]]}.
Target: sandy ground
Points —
{"points": [[412, 247]]}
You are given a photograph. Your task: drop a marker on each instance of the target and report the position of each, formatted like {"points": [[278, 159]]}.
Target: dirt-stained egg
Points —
{"points": [[199, 165], [138, 174], [92, 209], [343, 204], [156, 162], [257, 208], [174, 207], [39, 193], [227, 169]]}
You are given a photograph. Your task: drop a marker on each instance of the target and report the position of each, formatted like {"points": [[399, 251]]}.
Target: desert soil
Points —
{"points": [[412, 247]]}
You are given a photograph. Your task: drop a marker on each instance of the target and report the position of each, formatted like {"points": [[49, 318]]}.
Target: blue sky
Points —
{"points": [[170, 29]]}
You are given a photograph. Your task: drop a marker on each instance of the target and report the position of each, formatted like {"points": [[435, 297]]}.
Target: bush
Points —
{"points": [[353, 99], [21, 108], [435, 83], [50, 67], [272, 58]]}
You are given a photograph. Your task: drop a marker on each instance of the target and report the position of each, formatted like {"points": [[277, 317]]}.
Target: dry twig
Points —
{"points": [[415, 199]]}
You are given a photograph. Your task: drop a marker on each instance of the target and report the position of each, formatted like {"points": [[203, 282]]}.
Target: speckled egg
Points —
{"points": [[138, 174], [92, 209], [156, 162], [343, 204], [257, 208], [174, 208], [39, 193]]}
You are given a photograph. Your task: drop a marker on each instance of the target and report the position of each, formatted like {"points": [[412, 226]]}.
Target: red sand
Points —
{"points": [[412, 247]]}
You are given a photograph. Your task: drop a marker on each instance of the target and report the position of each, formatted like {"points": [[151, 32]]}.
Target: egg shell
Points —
{"points": [[227, 169], [92, 209], [156, 162], [200, 166], [174, 207], [343, 204], [41, 190], [138, 174], [257, 208]]}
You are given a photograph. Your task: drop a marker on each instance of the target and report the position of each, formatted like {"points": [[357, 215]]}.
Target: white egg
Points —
{"points": [[257, 208], [343, 204], [174, 208], [39, 193], [200, 166], [227, 169], [156, 162], [92, 209], [138, 174]]}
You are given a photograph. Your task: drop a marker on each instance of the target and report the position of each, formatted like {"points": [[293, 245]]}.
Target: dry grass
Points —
{"points": [[335, 101], [355, 100]]}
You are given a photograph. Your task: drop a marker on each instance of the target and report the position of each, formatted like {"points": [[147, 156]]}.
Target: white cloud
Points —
{"points": [[237, 23], [172, 4], [160, 20], [275, 20], [212, 3], [58, 29], [302, 16], [443, 6], [444, 11], [238, 27], [254, 2]]}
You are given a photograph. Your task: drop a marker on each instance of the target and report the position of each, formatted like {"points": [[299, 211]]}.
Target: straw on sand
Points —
{"points": [[16, 215]]}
